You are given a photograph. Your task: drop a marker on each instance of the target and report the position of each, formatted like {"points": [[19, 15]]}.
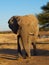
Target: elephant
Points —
{"points": [[27, 28]]}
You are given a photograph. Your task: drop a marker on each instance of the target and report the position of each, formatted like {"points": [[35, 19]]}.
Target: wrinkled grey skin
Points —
{"points": [[25, 25]]}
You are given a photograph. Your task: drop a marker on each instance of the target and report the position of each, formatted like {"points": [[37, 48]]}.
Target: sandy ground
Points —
{"points": [[8, 52]]}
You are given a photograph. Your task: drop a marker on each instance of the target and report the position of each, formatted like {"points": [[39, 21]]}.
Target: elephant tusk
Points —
{"points": [[31, 34]]}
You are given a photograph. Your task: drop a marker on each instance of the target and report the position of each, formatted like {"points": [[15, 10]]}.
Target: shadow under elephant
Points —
{"points": [[13, 53]]}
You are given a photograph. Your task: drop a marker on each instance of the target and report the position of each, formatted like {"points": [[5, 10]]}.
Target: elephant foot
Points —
{"points": [[24, 56]]}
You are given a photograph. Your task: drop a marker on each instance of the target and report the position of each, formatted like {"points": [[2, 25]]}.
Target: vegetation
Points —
{"points": [[44, 16]]}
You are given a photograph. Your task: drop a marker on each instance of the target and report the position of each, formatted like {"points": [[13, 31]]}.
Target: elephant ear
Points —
{"points": [[15, 25], [14, 20], [18, 20]]}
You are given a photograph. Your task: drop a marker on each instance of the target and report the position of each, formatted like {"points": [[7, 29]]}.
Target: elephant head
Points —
{"points": [[13, 24]]}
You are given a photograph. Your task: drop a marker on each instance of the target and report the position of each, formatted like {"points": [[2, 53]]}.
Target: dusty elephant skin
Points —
{"points": [[25, 26]]}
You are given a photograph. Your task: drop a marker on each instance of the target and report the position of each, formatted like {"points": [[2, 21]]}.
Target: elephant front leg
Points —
{"points": [[27, 49], [18, 46], [26, 46]]}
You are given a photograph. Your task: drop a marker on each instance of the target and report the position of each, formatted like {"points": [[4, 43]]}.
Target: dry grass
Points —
{"points": [[8, 52]]}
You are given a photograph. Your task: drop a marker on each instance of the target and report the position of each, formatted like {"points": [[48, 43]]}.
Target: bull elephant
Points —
{"points": [[27, 27]]}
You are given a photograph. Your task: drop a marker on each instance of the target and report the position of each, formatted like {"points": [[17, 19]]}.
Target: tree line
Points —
{"points": [[43, 17]]}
